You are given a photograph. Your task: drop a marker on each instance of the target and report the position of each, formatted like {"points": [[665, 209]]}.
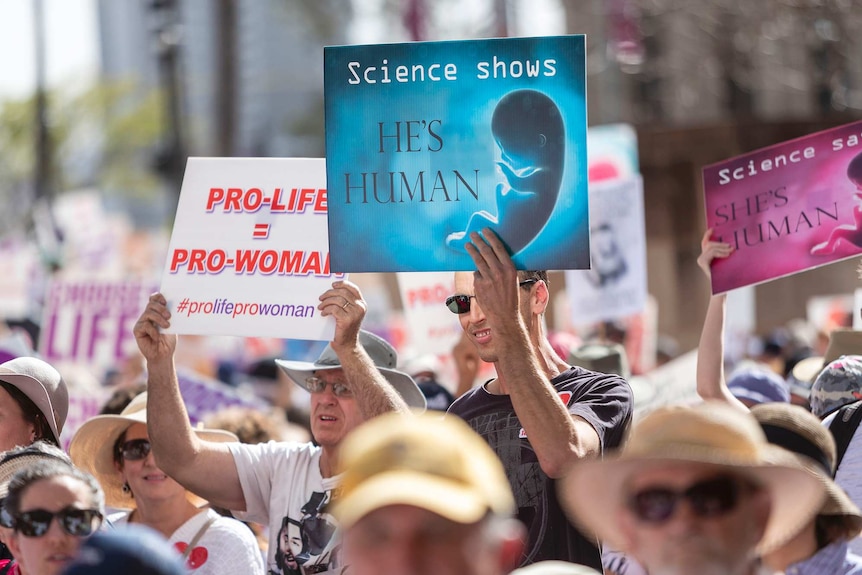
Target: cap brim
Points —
{"points": [[298, 371], [592, 494], [445, 498]]}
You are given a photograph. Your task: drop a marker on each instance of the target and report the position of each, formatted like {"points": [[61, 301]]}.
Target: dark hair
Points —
{"points": [[122, 397], [118, 448], [46, 470], [830, 529], [31, 414], [542, 275]]}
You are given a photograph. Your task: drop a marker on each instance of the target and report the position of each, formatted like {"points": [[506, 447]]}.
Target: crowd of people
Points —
{"points": [[539, 470]]}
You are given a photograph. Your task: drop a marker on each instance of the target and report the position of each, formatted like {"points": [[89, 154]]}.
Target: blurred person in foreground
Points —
{"points": [[53, 507], [135, 550], [426, 496], [540, 415], [116, 450], [695, 490], [274, 483]]}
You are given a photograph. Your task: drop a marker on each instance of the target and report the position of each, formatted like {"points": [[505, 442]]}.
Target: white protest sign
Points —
{"points": [[249, 253], [21, 268], [433, 329], [89, 322], [615, 286]]}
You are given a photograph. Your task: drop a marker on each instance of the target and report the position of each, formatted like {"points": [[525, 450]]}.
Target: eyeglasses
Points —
{"points": [[316, 385], [135, 449], [709, 498], [74, 521], [460, 304]]}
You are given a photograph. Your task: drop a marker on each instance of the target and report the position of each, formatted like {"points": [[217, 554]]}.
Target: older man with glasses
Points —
{"points": [[353, 380], [695, 490], [540, 415]]}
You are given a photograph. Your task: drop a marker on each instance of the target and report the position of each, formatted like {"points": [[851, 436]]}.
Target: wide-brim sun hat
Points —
{"points": [[799, 431], [711, 433], [92, 447], [383, 355], [43, 385]]}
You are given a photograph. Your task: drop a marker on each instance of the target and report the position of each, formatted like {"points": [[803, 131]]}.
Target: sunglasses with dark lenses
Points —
{"points": [[709, 498], [317, 385], [460, 304], [135, 449], [74, 521]]}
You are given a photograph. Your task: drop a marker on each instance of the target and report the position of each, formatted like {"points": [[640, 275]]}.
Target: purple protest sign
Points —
{"points": [[787, 208], [89, 322], [203, 396]]}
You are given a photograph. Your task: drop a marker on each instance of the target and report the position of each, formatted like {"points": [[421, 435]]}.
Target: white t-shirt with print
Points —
{"points": [[284, 490], [227, 547]]}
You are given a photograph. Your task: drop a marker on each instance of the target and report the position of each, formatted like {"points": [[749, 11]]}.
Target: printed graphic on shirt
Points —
{"points": [[304, 543]]}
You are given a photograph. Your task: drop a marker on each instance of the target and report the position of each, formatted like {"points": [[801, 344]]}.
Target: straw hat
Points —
{"points": [[711, 432], [799, 431], [383, 355], [92, 447], [43, 385]]}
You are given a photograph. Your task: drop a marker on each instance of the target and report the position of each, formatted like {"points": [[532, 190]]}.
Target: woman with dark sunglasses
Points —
{"points": [[53, 508], [116, 450]]}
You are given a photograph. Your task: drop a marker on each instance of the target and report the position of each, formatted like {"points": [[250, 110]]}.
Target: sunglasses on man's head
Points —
{"points": [[460, 304], [712, 497], [135, 449], [317, 385], [74, 521]]}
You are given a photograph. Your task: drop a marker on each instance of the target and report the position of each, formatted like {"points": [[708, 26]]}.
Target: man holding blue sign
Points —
{"points": [[280, 484], [540, 415]]}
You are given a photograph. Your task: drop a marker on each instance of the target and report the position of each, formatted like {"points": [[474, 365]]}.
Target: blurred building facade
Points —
{"points": [[701, 82]]}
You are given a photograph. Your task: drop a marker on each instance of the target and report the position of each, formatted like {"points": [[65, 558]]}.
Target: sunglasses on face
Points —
{"points": [[712, 497], [459, 304], [135, 449], [74, 521], [317, 385]]}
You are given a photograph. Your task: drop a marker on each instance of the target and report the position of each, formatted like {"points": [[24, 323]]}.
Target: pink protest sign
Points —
{"points": [[786, 208]]}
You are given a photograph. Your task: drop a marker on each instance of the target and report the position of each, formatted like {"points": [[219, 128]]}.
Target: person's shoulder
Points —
{"points": [[581, 377], [466, 400]]}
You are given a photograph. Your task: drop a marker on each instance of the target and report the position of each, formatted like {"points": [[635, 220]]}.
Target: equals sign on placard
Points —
{"points": [[261, 231]]}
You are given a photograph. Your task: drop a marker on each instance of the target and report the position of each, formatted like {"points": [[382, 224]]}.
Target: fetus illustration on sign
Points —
{"points": [[848, 234], [528, 129]]}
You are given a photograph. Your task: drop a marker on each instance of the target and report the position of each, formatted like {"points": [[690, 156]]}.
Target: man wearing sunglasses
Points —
{"points": [[540, 415], [695, 490], [352, 381]]}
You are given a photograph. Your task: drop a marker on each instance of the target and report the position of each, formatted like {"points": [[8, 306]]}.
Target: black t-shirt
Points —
{"points": [[605, 401]]}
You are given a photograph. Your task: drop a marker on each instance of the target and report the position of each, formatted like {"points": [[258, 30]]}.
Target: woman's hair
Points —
{"points": [[833, 528], [32, 414], [117, 450], [46, 470]]}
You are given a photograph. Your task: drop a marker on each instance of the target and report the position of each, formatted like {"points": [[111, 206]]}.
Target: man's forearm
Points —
{"points": [[374, 394], [167, 420]]}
